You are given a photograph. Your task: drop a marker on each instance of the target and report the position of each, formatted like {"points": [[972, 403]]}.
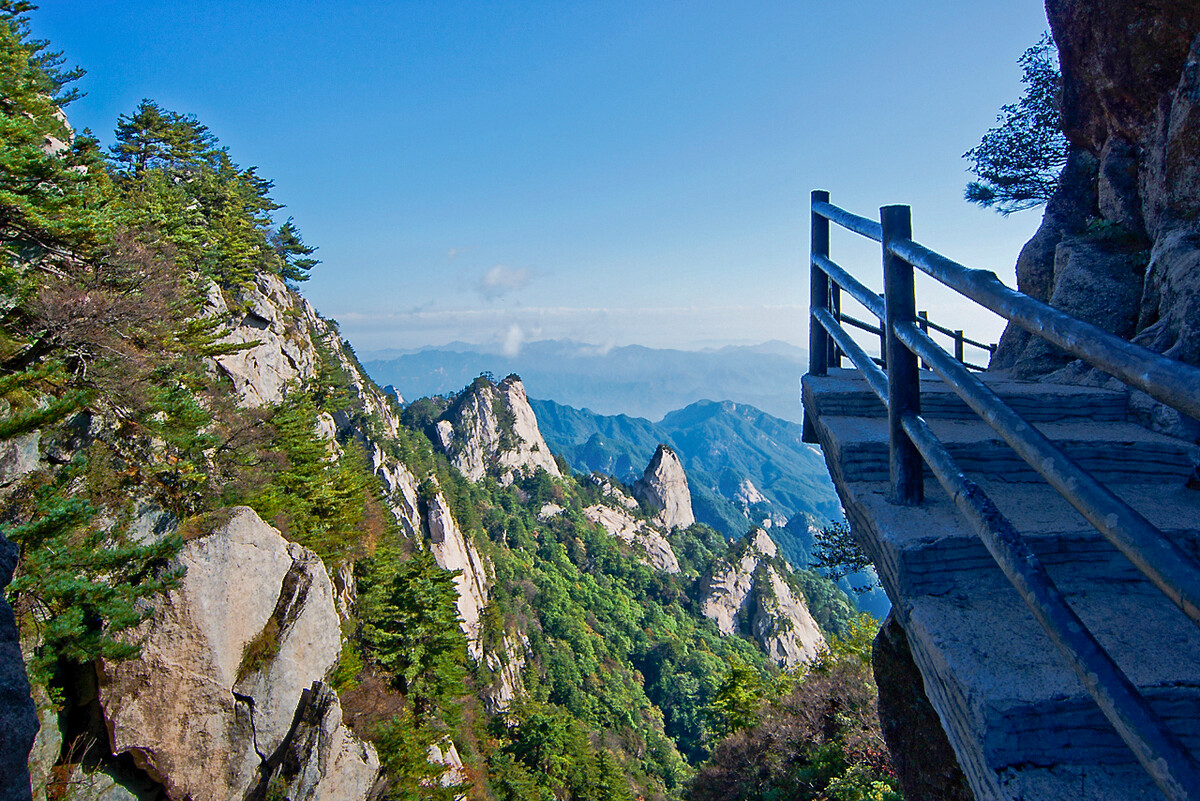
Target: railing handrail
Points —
{"points": [[1153, 743], [1171, 569], [1167, 380]]}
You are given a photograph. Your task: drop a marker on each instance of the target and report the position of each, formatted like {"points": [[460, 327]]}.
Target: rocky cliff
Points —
{"points": [[230, 683], [1119, 244], [490, 429], [453, 552], [746, 593], [288, 332], [664, 487], [620, 515], [230, 693]]}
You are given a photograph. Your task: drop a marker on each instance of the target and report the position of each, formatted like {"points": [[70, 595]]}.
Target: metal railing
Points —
{"points": [[907, 345]]}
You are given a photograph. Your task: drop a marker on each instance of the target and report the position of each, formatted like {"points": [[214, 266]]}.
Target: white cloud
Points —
{"points": [[513, 340], [500, 280]]}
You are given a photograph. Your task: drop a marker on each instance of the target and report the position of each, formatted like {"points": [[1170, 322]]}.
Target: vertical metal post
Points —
{"points": [[923, 324], [835, 306], [958, 346], [883, 341], [818, 340], [903, 373]]}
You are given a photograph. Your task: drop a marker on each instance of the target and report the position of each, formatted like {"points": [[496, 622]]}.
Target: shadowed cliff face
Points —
{"points": [[1119, 245]]}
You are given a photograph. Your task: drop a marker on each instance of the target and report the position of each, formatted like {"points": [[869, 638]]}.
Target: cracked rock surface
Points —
{"points": [[228, 658]]}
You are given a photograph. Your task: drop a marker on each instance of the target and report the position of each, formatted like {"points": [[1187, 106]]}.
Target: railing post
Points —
{"points": [[958, 346], [923, 324], [904, 381], [883, 340], [819, 342], [835, 306]]}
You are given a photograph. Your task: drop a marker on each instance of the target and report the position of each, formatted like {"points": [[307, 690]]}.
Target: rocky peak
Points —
{"points": [[749, 585], [664, 487], [761, 543], [492, 427]]}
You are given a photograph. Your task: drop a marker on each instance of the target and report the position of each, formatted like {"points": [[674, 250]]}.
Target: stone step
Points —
{"points": [[1111, 451], [923, 554], [1009, 701], [1015, 712], [1017, 716], [843, 393]]}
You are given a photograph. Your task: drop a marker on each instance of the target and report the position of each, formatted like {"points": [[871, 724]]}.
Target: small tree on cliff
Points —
{"points": [[1019, 160]]}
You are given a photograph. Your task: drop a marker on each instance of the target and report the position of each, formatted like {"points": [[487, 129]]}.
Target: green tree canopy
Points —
{"points": [[1019, 160], [153, 137]]}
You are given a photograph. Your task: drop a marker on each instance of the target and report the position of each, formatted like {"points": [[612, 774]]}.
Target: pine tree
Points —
{"points": [[293, 253], [411, 626], [1019, 160], [79, 583]]}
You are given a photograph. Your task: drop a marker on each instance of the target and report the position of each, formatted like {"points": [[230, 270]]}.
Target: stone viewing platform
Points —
{"points": [[1017, 716]]}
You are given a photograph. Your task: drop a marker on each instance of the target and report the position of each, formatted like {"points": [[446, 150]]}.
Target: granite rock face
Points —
{"points": [[322, 759], [280, 349], [492, 428], [227, 660], [1131, 113], [453, 551], [664, 487], [747, 586], [505, 666], [620, 523]]}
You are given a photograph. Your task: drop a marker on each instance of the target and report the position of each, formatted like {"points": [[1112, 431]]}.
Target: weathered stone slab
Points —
{"points": [[1016, 715]]}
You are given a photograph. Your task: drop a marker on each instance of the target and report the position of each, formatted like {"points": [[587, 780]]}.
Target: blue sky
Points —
{"points": [[616, 172]]}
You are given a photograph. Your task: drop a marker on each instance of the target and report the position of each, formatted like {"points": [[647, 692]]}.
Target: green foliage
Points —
{"points": [[349, 665], [547, 754], [293, 253], [154, 138], [30, 409], [259, 652], [411, 627], [735, 706], [175, 179], [313, 499], [816, 736], [838, 555], [50, 198], [1019, 160], [423, 412], [829, 605], [616, 645], [403, 744], [80, 584]]}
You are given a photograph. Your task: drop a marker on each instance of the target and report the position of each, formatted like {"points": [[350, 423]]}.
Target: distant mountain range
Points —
{"points": [[633, 380], [744, 466]]}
